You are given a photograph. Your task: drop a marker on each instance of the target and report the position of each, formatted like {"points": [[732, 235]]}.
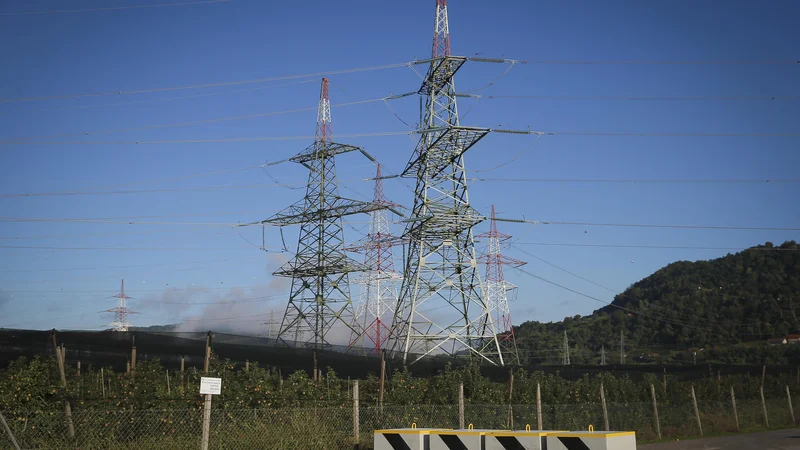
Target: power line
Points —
{"points": [[703, 62], [208, 85], [640, 98], [696, 227], [147, 249], [632, 134], [164, 99], [130, 266], [113, 8], [183, 124], [203, 141], [622, 294], [622, 181], [105, 291], [672, 247], [82, 219], [142, 191]]}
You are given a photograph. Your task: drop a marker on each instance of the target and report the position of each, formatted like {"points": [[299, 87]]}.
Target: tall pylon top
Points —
{"points": [[324, 115], [441, 31], [122, 294]]}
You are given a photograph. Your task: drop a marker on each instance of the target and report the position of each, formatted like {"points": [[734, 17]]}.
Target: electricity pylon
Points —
{"points": [[121, 311], [565, 350], [319, 299], [497, 289], [378, 297], [442, 302]]}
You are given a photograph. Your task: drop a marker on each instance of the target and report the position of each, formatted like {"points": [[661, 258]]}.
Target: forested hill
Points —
{"points": [[740, 298]]}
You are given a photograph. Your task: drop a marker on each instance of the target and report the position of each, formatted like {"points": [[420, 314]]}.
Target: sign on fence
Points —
{"points": [[210, 386]]}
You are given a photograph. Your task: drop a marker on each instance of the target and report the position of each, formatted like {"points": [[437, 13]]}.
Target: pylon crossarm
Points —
{"points": [[440, 73]]}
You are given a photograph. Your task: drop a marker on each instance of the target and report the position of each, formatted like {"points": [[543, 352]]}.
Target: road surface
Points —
{"points": [[770, 440]]}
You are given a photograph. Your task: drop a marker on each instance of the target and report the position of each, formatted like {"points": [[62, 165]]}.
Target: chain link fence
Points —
{"points": [[329, 427]]}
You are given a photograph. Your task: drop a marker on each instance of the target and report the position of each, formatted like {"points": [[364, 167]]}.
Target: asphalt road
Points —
{"points": [[770, 440]]}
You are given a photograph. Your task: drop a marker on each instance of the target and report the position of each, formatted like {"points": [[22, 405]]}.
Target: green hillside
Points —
{"points": [[724, 309]]}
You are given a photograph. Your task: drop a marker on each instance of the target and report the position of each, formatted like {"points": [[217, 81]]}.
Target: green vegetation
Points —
{"points": [[724, 309]]}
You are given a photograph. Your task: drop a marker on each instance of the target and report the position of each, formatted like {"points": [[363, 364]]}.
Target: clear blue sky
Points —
{"points": [[123, 50]]}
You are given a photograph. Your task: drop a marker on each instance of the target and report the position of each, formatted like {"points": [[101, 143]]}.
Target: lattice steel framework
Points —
{"points": [[121, 312], [319, 301], [378, 298], [442, 306], [498, 289]]}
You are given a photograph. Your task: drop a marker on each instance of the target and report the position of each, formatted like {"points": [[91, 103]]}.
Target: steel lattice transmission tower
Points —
{"points": [[497, 289], [442, 306], [378, 299], [121, 312], [319, 299], [565, 350]]}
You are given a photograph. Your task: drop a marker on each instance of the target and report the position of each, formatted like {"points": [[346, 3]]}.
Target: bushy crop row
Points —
{"points": [[36, 384]]}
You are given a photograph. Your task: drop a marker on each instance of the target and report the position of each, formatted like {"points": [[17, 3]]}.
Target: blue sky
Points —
{"points": [[166, 266]]}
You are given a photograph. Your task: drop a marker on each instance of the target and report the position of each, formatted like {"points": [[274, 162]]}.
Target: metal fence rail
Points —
{"points": [[332, 426]]}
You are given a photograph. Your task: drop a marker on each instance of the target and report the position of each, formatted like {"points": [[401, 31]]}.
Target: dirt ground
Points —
{"points": [[770, 440]]}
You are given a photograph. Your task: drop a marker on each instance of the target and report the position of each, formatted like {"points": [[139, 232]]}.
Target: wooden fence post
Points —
{"points": [[355, 415], [764, 406], [8, 430], [735, 412], [603, 401], [763, 375], [103, 382], [655, 412], [315, 375], [208, 352], [461, 406], [169, 392], [697, 412], [791, 407], [383, 378], [511, 398], [79, 368], [539, 406]]}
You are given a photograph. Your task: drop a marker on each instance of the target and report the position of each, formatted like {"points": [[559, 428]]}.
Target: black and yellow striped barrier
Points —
{"points": [[591, 440], [404, 438], [526, 439], [469, 439]]}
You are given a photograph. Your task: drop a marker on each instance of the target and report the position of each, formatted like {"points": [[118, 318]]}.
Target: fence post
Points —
{"points": [[103, 382], [8, 430], [510, 399], [539, 406], [697, 412], [67, 408], [169, 392], [764, 406], [206, 421], [79, 368], [208, 352], [735, 412], [383, 378], [603, 401], [655, 412], [791, 408], [461, 406], [763, 375], [355, 415]]}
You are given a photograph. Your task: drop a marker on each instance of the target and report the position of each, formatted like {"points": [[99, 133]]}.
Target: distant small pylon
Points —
{"points": [[565, 355], [603, 356], [121, 312]]}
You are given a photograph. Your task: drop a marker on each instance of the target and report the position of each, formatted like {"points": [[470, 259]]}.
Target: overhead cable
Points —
{"points": [[204, 141], [667, 247], [183, 124], [623, 181], [663, 62], [113, 8], [208, 85]]}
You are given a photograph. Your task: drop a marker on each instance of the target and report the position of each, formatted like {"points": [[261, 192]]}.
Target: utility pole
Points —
{"points": [[565, 351], [441, 270], [320, 294], [621, 347], [497, 289], [603, 356]]}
